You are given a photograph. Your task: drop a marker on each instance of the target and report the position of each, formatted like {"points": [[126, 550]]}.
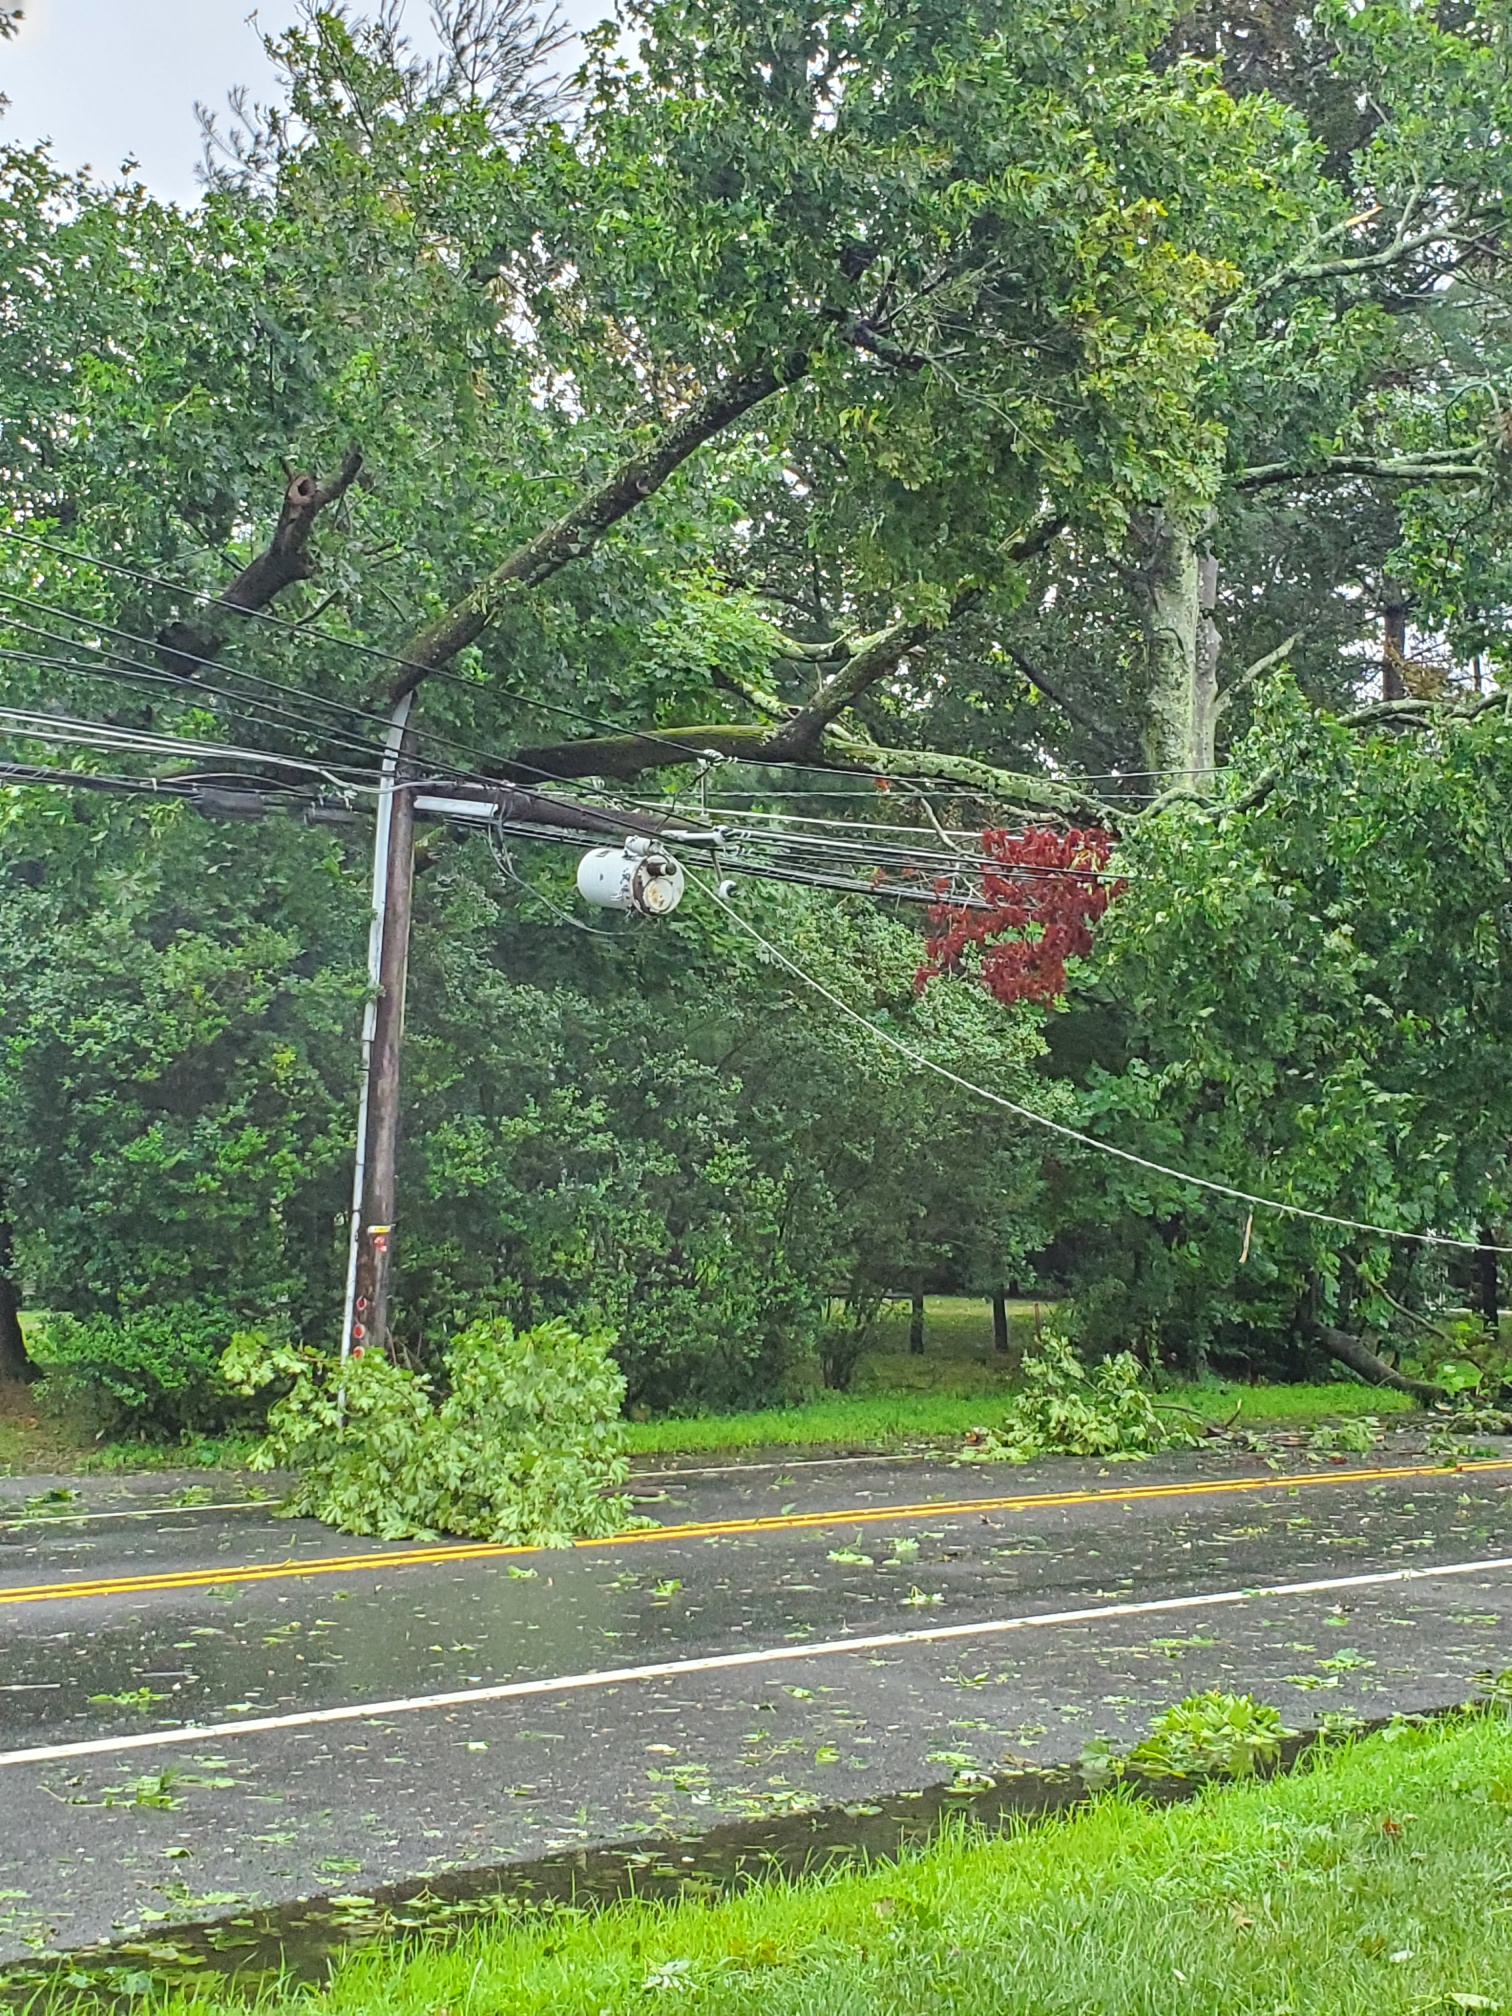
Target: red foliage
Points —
{"points": [[1045, 891]]}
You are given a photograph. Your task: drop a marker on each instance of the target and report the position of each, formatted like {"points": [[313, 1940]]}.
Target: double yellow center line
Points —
{"points": [[710, 1529]]}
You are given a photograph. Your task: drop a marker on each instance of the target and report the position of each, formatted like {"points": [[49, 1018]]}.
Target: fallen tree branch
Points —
{"points": [[183, 648], [1019, 788], [625, 757], [579, 530], [1389, 468], [873, 658], [1357, 1355]]}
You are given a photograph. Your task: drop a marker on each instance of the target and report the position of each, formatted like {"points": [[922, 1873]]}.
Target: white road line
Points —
{"points": [[720, 1662]]}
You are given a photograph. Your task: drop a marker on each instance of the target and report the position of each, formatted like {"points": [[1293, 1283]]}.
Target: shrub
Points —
{"points": [[523, 1447], [1070, 1409], [152, 1372]]}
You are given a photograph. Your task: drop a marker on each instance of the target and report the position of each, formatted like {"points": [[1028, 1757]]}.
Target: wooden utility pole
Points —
{"points": [[374, 1190]]}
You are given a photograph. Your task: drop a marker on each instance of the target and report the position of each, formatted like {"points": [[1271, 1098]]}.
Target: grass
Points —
{"points": [[891, 1420], [32, 1442], [1375, 1881], [900, 1399]]}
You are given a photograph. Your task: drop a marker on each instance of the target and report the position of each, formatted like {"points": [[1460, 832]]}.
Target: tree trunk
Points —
{"points": [[1000, 1319], [1357, 1355], [916, 1326], [1487, 1280], [15, 1362], [1183, 639], [1393, 641]]}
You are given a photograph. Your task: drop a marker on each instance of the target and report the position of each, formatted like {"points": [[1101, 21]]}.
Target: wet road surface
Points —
{"points": [[820, 1634]]}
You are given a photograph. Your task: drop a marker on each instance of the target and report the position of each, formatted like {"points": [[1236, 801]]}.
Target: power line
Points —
{"points": [[136, 675], [378, 652], [94, 780], [1073, 1133], [198, 684], [69, 731], [187, 686], [374, 651]]}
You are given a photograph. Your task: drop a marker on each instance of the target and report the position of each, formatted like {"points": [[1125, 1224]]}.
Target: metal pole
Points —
{"points": [[382, 854]]}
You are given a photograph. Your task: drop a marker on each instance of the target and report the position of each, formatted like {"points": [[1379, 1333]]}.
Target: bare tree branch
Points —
{"points": [[1070, 708], [1388, 468], [285, 560], [1253, 672]]}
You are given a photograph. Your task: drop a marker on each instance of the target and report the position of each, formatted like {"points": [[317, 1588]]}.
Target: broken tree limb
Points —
{"points": [[184, 648], [1388, 468], [1357, 1355], [579, 530]]}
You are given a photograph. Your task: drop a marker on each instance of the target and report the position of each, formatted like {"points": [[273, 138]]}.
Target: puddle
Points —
{"points": [[256, 1948]]}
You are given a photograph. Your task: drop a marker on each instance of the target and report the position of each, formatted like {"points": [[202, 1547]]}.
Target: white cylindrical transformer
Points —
{"points": [[637, 876]]}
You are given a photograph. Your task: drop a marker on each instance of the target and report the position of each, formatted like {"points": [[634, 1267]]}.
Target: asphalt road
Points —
{"points": [[203, 1709]]}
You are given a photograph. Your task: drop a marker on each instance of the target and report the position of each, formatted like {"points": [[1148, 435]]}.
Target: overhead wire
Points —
{"points": [[1067, 1133], [498, 847], [381, 653], [93, 780], [187, 687], [68, 731], [134, 674], [798, 844], [374, 651], [50, 728]]}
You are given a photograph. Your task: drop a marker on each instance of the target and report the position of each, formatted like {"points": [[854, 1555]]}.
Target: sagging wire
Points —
{"points": [[1059, 1127], [498, 846]]}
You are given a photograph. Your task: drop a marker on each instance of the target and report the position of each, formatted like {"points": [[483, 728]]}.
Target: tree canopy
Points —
{"points": [[1091, 416]]}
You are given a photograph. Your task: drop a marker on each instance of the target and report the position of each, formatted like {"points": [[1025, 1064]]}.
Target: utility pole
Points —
{"points": [[374, 1191]]}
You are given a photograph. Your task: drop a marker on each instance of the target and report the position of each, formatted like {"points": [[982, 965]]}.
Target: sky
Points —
{"points": [[110, 79]]}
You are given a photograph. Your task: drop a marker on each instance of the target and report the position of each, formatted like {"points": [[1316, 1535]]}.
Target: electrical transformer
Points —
{"points": [[640, 876]]}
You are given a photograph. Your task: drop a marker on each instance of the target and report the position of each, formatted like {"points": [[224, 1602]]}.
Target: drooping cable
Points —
{"points": [[1075, 1134]]}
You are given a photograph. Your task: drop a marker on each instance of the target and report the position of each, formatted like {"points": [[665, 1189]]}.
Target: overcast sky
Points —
{"points": [[108, 79]]}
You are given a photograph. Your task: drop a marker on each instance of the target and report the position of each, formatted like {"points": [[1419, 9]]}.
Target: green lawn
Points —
{"points": [[900, 1399], [893, 1420], [1374, 1882]]}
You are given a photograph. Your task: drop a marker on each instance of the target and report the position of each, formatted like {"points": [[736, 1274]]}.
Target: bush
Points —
{"points": [[523, 1448], [1067, 1409], [150, 1372]]}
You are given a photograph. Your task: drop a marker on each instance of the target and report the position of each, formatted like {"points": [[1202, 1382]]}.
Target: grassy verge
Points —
{"points": [[899, 1400], [1374, 1882], [892, 1420], [31, 1445]]}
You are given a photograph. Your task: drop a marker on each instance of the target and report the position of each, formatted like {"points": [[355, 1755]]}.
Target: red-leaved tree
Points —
{"points": [[1044, 890]]}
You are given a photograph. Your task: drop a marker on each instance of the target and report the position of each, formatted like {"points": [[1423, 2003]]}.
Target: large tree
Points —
{"points": [[988, 399]]}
